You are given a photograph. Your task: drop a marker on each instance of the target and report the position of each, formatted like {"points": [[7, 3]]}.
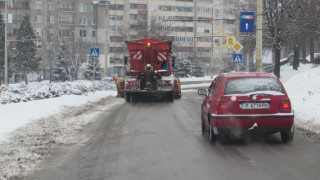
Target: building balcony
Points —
{"points": [[66, 22], [67, 10], [16, 7]]}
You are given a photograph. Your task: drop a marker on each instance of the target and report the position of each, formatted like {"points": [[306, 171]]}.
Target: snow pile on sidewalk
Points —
{"points": [[15, 93], [30, 144], [304, 92]]}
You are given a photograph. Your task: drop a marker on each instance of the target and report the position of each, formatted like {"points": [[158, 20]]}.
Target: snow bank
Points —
{"points": [[30, 144], [15, 93], [304, 92]]}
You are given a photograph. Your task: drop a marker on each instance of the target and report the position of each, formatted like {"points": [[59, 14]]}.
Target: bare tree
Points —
{"points": [[278, 19]]}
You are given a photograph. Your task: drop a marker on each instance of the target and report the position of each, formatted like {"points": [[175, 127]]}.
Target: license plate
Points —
{"points": [[260, 105]]}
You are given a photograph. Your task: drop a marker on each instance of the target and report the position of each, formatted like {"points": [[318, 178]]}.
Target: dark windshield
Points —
{"points": [[253, 85]]}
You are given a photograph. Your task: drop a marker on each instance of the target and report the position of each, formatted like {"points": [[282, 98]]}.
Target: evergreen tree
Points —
{"points": [[26, 60], [2, 68], [93, 64], [60, 72]]}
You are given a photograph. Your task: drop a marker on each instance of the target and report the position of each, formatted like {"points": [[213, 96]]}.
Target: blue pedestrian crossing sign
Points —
{"points": [[237, 58], [94, 52]]}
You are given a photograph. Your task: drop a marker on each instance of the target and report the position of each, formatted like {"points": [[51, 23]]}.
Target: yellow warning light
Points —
{"points": [[148, 44]]}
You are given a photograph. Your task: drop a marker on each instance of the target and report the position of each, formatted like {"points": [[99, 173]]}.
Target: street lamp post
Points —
{"points": [[5, 44]]}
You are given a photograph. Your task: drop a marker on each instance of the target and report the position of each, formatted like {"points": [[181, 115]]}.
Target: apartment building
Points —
{"points": [[80, 24], [198, 28]]}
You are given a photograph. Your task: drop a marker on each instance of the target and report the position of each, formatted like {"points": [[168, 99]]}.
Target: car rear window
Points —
{"points": [[253, 85]]}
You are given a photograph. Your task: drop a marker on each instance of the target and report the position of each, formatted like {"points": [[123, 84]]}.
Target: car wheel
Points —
{"points": [[287, 137], [203, 126], [212, 136]]}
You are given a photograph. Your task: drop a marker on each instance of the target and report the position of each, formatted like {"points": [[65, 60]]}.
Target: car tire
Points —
{"points": [[212, 136], [287, 136], [203, 126]]}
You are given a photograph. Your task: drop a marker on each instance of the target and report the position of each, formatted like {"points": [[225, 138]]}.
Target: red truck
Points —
{"points": [[149, 71]]}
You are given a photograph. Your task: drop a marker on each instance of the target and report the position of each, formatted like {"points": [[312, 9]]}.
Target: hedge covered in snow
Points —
{"points": [[21, 92]]}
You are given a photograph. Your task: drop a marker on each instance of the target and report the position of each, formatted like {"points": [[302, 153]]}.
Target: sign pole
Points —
{"points": [[237, 30]]}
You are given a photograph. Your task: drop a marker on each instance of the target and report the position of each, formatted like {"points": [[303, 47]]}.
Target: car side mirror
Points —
{"points": [[202, 92], [125, 59]]}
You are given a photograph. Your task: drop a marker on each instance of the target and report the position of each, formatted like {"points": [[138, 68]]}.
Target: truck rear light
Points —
{"points": [[129, 84], [285, 104], [223, 104]]}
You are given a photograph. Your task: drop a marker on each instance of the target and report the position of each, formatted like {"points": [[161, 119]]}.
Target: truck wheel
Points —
{"points": [[127, 97], [170, 97]]}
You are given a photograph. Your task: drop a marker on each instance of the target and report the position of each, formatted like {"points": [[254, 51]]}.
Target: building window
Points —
{"points": [[38, 44], [38, 19], [65, 20], [50, 6], [66, 7], [50, 19], [206, 30], [50, 34], [93, 21], [83, 20], [116, 7], [93, 33], [116, 18], [38, 5], [83, 7], [83, 33], [38, 32], [116, 28], [65, 33], [94, 8], [217, 41], [116, 39], [153, 8], [138, 6]]}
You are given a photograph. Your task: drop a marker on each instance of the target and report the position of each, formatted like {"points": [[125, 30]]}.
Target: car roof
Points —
{"points": [[248, 75]]}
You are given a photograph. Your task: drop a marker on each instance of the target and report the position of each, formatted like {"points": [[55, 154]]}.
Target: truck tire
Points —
{"points": [[127, 97], [170, 97]]}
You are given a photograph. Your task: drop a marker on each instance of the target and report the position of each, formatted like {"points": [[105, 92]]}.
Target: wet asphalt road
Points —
{"points": [[163, 141]]}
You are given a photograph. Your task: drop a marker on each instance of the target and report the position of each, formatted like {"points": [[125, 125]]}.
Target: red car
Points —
{"points": [[246, 103]]}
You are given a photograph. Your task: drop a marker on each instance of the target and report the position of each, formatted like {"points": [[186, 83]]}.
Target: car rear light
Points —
{"points": [[129, 84], [223, 104], [167, 84], [285, 104]]}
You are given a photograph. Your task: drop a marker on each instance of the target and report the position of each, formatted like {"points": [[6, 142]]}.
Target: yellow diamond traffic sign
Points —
{"points": [[237, 46]]}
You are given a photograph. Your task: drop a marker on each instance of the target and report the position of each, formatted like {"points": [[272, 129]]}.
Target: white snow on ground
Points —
{"points": [[303, 88], [188, 79], [16, 115], [30, 130]]}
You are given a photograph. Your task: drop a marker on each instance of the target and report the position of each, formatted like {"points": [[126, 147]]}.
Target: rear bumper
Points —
{"points": [[258, 121]]}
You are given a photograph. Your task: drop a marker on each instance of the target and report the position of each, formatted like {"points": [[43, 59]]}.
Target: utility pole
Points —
{"points": [[195, 23], [107, 40], [259, 37], [6, 44], [237, 29], [212, 69]]}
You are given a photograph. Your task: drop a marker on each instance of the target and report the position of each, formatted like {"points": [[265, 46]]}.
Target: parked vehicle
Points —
{"points": [[246, 103]]}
